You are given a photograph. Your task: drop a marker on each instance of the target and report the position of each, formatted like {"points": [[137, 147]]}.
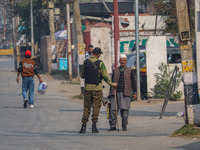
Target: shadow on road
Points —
{"points": [[72, 110], [146, 113], [13, 107], [192, 146]]}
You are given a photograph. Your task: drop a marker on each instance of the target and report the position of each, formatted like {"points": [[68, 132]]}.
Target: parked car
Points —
{"points": [[173, 56]]}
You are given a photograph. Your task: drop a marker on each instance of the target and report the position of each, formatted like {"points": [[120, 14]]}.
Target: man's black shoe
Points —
{"points": [[94, 128], [124, 129], [25, 103], [112, 129], [83, 129]]}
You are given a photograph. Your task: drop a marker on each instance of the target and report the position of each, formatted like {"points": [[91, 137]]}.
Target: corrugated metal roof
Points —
{"points": [[98, 9]]}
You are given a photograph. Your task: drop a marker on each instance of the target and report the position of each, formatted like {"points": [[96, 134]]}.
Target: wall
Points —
{"points": [[45, 52], [45, 46], [100, 37], [60, 49], [156, 52], [145, 22], [127, 40]]}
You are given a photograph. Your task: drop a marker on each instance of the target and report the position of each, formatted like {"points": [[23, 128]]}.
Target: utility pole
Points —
{"points": [[197, 39], [137, 48], [13, 33], [32, 34], [69, 42], [4, 29], [116, 30], [52, 31], [79, 37], [188, 65], [13, 24]]}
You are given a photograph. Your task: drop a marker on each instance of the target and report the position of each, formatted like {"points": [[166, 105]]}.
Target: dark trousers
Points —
{"points": [[113, 118], [92, 98]]}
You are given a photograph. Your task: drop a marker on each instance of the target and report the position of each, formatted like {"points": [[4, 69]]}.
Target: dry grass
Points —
{"points": [[191, 131]]}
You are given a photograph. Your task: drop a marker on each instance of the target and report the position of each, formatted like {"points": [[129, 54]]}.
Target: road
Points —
{"points": [[54, 123]]}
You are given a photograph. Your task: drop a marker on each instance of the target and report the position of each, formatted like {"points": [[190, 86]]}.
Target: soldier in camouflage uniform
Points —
{"points": [[93, 72]]}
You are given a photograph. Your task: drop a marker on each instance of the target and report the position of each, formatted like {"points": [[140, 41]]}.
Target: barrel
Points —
{"points": [[42, 88]]}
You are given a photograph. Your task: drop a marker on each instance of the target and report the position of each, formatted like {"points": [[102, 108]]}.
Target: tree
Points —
{"points": [[167, 8], [40, 23]]}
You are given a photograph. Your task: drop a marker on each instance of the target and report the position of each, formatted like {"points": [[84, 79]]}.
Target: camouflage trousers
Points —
{"points": [[92, 99]]}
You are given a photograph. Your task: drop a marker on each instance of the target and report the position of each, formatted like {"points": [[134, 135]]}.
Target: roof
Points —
{"points": [[101, 24], [99, 10]]}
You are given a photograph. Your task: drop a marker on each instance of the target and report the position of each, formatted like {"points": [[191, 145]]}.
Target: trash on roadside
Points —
{"points": [[180, 114]]}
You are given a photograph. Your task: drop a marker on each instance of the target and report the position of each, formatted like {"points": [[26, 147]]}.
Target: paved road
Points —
{"points": [[55, 122]]}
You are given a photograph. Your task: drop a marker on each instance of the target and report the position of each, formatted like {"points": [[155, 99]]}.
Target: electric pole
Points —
{"points": [[137, 48], [197, 39], [52, 31], [32, 34], [188, 65], [79, 37], [69, 42], [13, 24], [5, 12], [116, 30]]}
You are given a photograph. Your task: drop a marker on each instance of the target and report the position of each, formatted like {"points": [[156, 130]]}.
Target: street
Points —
{"points": [[55, 122]]}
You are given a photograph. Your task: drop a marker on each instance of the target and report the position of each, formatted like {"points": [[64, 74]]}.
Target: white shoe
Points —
{"points": [[31, 106]]}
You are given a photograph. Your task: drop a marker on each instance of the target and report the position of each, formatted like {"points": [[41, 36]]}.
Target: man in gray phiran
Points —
{"points": [[126, 90]]}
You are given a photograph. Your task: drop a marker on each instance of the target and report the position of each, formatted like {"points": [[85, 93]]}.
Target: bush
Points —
{"points": [[163, 81]]}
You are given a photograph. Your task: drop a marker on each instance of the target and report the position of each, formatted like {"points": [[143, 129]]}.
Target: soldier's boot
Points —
{"points": [[94, 128], [83, 128]]}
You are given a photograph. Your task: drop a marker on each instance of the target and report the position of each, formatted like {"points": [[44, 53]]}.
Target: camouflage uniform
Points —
{"points": [[93, 94]]}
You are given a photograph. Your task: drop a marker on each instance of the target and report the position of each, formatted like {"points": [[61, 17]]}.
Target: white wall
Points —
{"points": [[156, 52], [146, 22], [100, 37]]}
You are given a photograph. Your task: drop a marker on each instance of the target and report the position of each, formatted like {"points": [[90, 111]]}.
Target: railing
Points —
{"points": [[6, 51]]}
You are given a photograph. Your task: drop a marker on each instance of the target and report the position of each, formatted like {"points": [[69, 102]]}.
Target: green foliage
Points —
{"points": [[162, 83], [167, 8], [40, 20]]}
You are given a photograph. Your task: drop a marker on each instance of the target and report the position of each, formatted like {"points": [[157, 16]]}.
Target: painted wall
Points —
{"points": [[127, 42], [100, 37], [145, 22], [156, 53]]}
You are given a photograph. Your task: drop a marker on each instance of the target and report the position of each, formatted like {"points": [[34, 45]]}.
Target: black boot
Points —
{"points": [[124, 128], [112, 129], [94, 128], [83, 129]]}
